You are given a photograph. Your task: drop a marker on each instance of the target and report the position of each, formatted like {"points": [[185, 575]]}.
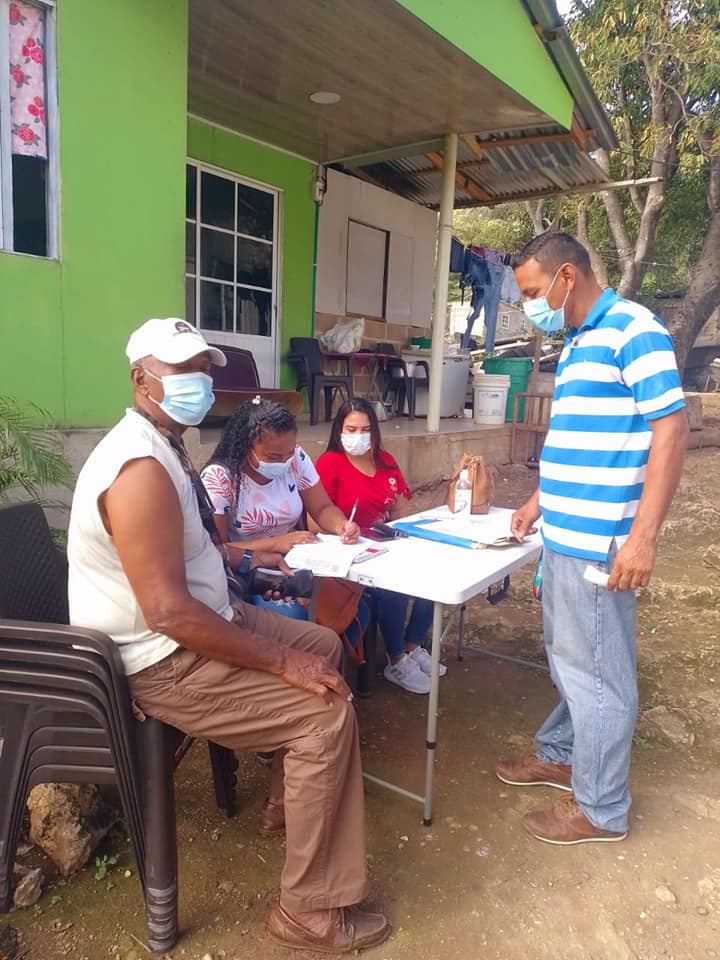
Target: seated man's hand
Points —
{"points": [[314, 674]]}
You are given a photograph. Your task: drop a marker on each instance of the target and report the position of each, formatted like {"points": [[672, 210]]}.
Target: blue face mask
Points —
{"points": [[270, 470], [187, 397], [541, 314]]}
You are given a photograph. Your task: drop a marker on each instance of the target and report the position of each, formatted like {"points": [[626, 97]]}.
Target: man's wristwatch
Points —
{"points": [[243, 568]]}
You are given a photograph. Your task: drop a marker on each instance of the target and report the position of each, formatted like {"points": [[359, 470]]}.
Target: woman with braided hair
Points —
{"points": [[261, 481]]}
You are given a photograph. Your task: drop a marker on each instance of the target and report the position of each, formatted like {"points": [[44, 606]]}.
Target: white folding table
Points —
{"points": [[449, 576]]}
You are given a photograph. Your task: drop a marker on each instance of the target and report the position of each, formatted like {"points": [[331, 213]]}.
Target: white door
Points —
{"points": [[231, 263]]}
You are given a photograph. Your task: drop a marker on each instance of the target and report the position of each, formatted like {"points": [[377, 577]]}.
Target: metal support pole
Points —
{"points": [[431, 741], [442, 270]]}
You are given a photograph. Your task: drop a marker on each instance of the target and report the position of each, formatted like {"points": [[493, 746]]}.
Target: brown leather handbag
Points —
{"points": [[482, 480], [336, 607]]}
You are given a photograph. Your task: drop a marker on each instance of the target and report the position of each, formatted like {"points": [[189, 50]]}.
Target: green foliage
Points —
{"points": [[31, 457], [103, 865], [506, 227]]}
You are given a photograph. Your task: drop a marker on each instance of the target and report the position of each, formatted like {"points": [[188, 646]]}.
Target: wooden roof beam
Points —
{"points": [[521, 141], [461, 180], [580, 134]]}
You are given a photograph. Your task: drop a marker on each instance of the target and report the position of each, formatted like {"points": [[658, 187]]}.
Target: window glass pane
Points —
{"points": [[189, 248], [254, 314], [190, 299], [216, 306], [216, 254], [217, 201], [191, 192], [29, 180], [255, 212], [254, 263]]}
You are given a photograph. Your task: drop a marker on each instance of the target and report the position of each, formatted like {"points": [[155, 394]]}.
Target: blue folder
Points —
{"points": [[418, 528]]}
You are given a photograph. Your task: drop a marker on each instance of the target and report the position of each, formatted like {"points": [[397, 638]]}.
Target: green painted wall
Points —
{"points": [[294, 177], [498, 35], [122, 82]]}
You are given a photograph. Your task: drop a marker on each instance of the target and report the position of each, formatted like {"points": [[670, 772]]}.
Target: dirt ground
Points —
{"points": [[475, 884]]}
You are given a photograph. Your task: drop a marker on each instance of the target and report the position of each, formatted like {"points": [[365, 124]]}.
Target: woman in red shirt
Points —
{"points": [[356, 468]]}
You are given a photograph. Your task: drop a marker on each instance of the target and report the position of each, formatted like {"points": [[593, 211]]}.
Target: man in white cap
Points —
{"points": [[144, 569]]}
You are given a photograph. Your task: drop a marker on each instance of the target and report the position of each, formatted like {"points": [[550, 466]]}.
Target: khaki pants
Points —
{"points": [[252, 710]]}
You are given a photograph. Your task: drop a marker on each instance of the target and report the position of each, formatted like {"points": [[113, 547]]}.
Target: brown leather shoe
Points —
{"points": [[348, 929], [531, 771], [565, 824], [272, 819]]}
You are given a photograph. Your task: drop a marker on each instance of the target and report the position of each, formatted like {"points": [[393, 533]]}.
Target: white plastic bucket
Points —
{"points": [[490, 391]]}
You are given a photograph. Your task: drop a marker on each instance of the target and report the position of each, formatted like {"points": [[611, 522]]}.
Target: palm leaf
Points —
{"points": [[31, 456]]}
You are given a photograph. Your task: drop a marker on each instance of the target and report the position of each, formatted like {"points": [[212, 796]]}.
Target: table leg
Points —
{"points": [[461, 633], [431, 739]]}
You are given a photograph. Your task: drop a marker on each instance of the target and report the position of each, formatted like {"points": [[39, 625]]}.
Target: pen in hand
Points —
{"points": [[344, 536]]}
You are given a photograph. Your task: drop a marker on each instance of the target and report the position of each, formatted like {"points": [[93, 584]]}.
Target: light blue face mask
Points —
{"points": [[271, 470], [541, 314], [187, 397]]}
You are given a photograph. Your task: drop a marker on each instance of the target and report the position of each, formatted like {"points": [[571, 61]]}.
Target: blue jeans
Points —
{"points": [[590, 644], [391, 614], [296, 611], [486, 295]]}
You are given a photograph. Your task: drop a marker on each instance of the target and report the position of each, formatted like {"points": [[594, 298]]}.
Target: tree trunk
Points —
{"points": [[703, 295], [596, 261]]}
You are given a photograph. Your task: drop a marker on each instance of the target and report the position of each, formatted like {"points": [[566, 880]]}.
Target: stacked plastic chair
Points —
{"points": [[65, 716]]}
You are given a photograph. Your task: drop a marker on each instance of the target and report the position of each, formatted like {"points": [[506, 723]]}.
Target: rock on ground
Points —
{"points": [[28, 889], [667, 723], [68, 821]]}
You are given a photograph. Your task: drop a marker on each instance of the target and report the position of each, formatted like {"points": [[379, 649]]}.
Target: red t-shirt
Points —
{"points": [[375, 495]]}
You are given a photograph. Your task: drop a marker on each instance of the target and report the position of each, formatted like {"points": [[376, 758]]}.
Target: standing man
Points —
{"points": [[609, 467], [144, 570]]}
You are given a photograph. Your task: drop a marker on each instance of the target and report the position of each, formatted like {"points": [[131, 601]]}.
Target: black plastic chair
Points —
{"points": [[307, 359], [65, 716], [398, 381]]}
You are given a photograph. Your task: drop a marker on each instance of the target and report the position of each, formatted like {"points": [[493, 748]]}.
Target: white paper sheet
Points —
{"points": [[327, 558]]}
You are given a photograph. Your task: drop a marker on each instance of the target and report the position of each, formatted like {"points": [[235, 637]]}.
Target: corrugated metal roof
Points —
{"points": [[521, 170]]}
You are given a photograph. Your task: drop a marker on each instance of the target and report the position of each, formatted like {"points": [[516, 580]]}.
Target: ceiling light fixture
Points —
{"points": [[325, 97]]}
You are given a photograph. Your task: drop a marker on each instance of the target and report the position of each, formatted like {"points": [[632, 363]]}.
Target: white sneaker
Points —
{"points": [[408, 675], [423, 659]]}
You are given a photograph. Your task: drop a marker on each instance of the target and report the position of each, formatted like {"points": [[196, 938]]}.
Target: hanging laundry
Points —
{"points": [[28, 95], [485, 296], [457, 256], [510, 291]]}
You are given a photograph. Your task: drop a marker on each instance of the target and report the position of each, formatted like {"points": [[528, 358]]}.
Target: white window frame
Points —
{"points": [[505, 321], [274, 291], [52, 197]]}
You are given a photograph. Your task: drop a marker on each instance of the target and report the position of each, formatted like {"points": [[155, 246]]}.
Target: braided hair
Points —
{"points": [[244, 428]]}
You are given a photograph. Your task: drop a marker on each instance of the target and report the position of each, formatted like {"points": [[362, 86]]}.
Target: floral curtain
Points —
{"points": [[27, 79]]}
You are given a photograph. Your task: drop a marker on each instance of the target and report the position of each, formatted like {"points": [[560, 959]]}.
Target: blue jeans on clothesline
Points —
{"points": [[486, 296]]}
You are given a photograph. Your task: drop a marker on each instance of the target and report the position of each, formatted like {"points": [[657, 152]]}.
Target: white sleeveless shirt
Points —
{"points": [[100, 595]]}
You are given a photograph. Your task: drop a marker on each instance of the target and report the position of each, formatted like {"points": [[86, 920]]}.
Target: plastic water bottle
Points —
{"points": [[463, 495]]}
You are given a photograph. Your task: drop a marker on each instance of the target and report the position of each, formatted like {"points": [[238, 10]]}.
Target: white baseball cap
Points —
{"points": [[171, 340]]}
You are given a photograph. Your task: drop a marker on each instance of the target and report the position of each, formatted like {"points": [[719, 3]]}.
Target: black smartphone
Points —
{"points": [[383, 531], [373, 534]]}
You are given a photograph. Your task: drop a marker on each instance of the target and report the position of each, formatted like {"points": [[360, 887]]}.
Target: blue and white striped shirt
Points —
{"points": [[616, 373]]}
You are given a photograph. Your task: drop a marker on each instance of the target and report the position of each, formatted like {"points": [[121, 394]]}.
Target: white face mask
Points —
{"points": [[356, 444]]}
